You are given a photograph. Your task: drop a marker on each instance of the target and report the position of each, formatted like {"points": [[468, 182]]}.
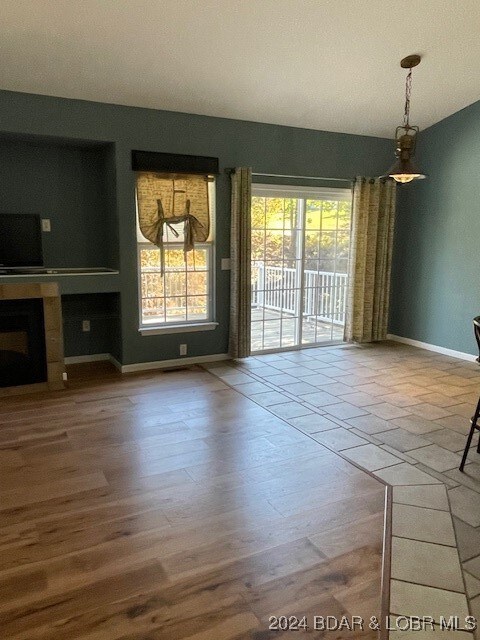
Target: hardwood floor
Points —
{"points": [[170, 506]]}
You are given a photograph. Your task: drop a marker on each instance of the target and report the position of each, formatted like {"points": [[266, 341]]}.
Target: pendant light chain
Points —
{"points": [[408, 91]]}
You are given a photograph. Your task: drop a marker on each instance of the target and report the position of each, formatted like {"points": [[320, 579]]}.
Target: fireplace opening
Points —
{"points": [[22, 342]]}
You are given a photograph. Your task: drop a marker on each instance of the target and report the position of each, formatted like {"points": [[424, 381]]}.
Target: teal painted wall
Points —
{"points": [[266, 148], [436, 265]]}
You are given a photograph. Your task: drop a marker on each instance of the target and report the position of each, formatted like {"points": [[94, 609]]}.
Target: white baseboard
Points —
{"points": [[433, 347], [175, 362], [146, 366], [94, 357]]}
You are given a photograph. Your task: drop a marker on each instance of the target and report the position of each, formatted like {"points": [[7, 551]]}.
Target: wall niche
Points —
{"points": [[70, 182]]}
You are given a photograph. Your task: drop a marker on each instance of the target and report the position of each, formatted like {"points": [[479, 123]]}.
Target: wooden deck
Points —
{"points": [[272, 330]]}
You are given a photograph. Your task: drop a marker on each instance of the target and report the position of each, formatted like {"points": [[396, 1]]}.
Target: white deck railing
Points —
{"points": [[277, 288]]}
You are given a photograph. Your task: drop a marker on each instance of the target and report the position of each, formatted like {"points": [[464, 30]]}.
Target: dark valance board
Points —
{"points": [[173, 163]]}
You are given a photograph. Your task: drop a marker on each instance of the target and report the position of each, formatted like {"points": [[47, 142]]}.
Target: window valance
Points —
{"points": [[174, 163]]}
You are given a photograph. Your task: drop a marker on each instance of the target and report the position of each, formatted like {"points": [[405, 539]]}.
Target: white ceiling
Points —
{"points": [[319, 64]]}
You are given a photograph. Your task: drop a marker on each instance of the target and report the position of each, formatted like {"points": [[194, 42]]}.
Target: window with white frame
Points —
{"points": [[176, 286]]}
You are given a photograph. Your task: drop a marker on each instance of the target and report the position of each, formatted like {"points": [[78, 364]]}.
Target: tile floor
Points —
{"points": [[402, 413]]}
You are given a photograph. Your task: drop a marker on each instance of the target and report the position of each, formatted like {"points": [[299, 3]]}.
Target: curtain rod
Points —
{"points": [[279, 175]]}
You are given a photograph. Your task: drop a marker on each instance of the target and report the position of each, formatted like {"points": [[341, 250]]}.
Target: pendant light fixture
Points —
{"points": [[404, 169]]}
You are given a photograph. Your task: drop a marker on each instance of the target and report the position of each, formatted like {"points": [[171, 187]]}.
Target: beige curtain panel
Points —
{"points": [[373, 217], [240, 282], [165, 201]]}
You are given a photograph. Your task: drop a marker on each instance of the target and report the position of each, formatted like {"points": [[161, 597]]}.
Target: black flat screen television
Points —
{"points": [[20, 240]]}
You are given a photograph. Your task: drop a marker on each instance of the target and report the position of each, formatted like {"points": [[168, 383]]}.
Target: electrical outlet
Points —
{"points": [[46, 225], [86, 325], [183, 349], [225, 264]]}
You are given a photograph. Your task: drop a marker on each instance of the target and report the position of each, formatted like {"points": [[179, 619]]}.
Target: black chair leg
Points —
{"points": [[467, 446], [470, 435]]}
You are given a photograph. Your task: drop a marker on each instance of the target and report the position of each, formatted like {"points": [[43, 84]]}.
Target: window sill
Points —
{"points": [[178, 328]]}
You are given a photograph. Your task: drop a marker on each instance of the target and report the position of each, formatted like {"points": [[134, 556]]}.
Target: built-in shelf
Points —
{"points": [[72, 283], [51, 271], [72, 185]]}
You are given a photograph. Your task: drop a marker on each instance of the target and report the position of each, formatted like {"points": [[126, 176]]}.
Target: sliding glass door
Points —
{"points": [[300, 246]]}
